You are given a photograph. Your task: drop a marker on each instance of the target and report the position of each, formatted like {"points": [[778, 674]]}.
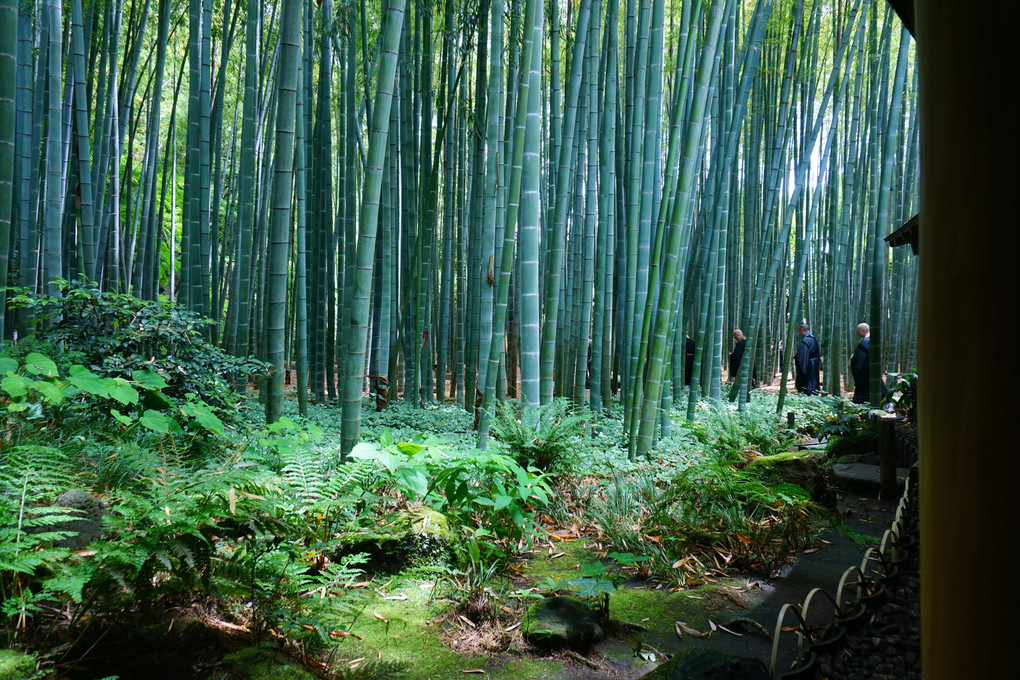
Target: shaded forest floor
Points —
{"points": [[411, 627]]}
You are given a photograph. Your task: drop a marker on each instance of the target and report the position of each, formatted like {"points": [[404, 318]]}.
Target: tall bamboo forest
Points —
{"points": [[474, 200]]}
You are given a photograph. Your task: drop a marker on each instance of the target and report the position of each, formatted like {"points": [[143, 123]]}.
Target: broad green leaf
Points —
{"points": [[127, 420], [155, 421], [149, 379], [503, 501], [8, 364], [391, 461], [16, 385], [123, 392], [204, 416], [53, 393], [415, 480], [386, 438], [409, 449], [365, 451], [39, 364], [87, 381]]}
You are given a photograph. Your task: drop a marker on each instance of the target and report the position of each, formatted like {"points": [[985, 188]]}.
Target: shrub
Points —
{"points": [[730, 518], [544, 439], [114, 335]]}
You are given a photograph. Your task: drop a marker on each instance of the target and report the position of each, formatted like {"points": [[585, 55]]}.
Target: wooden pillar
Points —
{"points": [[885, 428], [968, 61]]}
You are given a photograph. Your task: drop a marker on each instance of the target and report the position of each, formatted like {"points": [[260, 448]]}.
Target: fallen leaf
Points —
{"points": [[381, 617], [473, 670], [722, 627], [343, 634], [513, 627], [395, 597], [85, 553], [811, 550], [559, 554], [466, 620], [711, 625], [680, 626]]}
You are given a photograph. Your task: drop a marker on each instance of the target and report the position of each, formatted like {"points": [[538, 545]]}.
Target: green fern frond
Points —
{"points": [[303, 471]]}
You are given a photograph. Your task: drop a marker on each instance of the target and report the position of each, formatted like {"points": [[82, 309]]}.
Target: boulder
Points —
{"points": [[88, 527], [840, 447], [698, 664], [561, 622], [417, 536], [802, 468]]}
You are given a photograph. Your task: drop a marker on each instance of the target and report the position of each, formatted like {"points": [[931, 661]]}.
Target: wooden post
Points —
{"points": [[885, 428]]}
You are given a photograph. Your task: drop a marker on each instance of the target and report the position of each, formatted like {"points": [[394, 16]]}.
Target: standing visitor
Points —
{"points": [[688, 360], [738, 352], [860, 366], [807, 361]]}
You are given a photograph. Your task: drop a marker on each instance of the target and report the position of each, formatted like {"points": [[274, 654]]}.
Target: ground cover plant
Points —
{"points": [[264, 524]]}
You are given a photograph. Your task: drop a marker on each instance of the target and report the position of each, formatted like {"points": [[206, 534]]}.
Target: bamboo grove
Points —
{"points": [[474, 199]]}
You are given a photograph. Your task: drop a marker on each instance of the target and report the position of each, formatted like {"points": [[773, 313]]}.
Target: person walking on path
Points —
{"points": [[860, 366], [807, 361]]}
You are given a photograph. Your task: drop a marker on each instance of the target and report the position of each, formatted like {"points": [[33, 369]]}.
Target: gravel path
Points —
{"points": [[888, 647]]}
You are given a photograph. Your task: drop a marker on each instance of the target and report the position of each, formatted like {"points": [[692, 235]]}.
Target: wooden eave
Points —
{"points": [[905, 234]]}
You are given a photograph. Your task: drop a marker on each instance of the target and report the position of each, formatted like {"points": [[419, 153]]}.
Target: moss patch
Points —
{"points": [[802, 468], [840, 447], [261, 663], [15, 665]]}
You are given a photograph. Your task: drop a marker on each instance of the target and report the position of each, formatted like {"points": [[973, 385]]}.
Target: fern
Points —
{"points": [[304, 474], [545, 439]]}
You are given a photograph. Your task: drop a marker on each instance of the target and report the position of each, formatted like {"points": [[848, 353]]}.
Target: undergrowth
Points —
{"points": [[201, 504]]}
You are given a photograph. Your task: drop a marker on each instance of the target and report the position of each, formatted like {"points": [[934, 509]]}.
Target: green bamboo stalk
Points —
{"points": [[281, 224], [356, 326]]}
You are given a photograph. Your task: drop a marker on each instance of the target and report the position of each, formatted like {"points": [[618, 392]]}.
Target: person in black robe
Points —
{"points": [[807, 362], [738, 352], [860, 366], [688, 360]]}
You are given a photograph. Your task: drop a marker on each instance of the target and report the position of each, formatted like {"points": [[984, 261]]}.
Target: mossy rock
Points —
{"points": [[697, 664], [87, 527], [417, 536], [262, 663], [841, 447], [557, 622], [16, 666], [805, 469]]}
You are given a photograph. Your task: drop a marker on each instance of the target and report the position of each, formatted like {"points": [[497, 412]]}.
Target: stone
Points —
{"points": [[89, 526], [801, 468], [561, 622], [417, 536], [698, 664]]}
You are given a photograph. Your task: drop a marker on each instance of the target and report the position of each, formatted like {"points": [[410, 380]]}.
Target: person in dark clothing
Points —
{"points": [[688, 361], [738, 352], [860, 366], [807, 361]]}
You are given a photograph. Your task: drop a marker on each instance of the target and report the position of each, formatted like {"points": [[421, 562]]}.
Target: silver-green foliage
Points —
{"points": [[547, 441]]}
